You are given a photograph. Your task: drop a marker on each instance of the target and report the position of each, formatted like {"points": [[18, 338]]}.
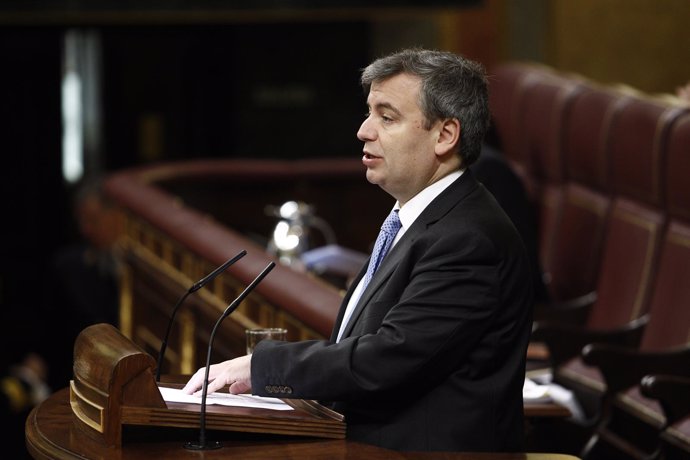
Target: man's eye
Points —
{"points": [[386, 119]]}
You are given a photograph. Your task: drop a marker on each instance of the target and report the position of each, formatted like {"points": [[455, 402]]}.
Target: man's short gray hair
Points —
{"points": [[451, 87]]}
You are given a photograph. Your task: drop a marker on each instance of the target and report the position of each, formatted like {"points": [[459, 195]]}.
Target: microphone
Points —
{"points": [[195, 287], [202, 444]]}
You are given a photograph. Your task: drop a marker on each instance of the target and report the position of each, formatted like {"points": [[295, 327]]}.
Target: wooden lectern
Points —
{"points": [[114, 396], [114, 385]]}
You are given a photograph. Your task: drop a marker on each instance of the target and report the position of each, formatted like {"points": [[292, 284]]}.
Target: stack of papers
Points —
{"points": [[540, 389], [532, 392], [225, 399]]}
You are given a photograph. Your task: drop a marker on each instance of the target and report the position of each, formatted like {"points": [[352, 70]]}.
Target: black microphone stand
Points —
{"points": [[203, 444], [195, 287]]}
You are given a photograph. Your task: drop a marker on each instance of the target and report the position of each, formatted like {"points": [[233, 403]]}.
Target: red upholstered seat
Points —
{"points": [[638, 142], [573, 216], [632, 233], [665, 344], [628, 264], [665, 349], [677, 172], [624, 284], [544, 100], [573, 220], [608, 171], [587, 135], [505, 86]]}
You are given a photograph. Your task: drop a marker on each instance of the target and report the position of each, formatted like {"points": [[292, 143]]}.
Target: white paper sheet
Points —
{"points": [[541, 389], [224, 399], [535, 393]]}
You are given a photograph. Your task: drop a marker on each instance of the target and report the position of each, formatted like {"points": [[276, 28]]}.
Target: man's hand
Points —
{"points": [[236, 372]]}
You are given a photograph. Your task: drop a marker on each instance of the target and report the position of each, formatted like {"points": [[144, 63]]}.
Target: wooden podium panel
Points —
{"points": [[51, 434], [114, 410], [114, 386], [307, 419]]}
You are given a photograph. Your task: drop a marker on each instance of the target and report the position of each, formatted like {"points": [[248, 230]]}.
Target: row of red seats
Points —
{"points": [[608, 172]]}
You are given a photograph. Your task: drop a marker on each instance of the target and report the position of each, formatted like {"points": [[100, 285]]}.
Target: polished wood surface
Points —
{"points": [[113, 387], [545, 410], [51, 434]]}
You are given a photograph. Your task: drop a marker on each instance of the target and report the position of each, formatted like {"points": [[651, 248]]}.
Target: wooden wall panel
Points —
{"points": [[641, 43]]}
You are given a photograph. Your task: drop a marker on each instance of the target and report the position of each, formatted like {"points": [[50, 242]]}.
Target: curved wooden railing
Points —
{"points": [[183, 219]]}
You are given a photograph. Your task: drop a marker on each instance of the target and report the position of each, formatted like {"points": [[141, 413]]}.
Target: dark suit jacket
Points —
{"points": [[494, 171], [434, 355]]}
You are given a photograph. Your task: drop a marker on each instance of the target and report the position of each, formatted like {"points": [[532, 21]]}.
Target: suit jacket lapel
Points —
{"points": [[346, 300], [439, 207]]}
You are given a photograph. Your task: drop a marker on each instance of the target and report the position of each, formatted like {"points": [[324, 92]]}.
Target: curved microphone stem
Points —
{"points": [[203, 444], [164, 343], [195, 287]]}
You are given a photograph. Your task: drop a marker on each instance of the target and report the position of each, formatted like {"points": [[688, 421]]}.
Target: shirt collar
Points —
{"points": [[413, 208]]}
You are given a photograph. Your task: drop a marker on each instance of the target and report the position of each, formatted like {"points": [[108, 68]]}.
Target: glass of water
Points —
{"points": [[255, 336]]}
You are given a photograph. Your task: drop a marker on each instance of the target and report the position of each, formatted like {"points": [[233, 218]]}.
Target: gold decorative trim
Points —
{"points": [[629, 401], [126, 301], [76, 399]]}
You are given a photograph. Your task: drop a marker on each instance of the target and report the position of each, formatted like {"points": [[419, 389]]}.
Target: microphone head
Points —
{"points": [[211, 276]]}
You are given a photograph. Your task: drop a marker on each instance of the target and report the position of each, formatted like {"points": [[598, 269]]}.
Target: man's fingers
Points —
{"points": [[193, 384], [218, 376], [215, 385], [239, 387], [196, 382]]}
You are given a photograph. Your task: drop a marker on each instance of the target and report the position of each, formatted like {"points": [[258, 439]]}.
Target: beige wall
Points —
{"points": [[644, 43]]}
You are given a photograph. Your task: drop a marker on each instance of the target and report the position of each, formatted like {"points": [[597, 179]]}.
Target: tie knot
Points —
{"points": [[392, 223]]}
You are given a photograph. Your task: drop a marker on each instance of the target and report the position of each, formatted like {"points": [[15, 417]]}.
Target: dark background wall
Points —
{"points": [[249, 90], [33, 199], [176, 82]]}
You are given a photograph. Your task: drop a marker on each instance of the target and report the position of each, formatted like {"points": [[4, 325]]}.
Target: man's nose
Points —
{"points": [[365, 132]]}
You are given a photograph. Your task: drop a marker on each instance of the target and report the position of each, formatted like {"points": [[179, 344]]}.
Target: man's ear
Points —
{"points": [[449, 136]]}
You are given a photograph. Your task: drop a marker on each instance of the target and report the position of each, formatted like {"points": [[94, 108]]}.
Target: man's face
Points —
{"points": [[398, 150]]}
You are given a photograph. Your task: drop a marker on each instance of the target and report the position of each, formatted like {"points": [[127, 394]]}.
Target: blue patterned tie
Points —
{"points": [[384, 241]]}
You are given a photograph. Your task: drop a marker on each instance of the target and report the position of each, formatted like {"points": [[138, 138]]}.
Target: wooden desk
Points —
{"points": [[50, 434], [538, 411]]}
